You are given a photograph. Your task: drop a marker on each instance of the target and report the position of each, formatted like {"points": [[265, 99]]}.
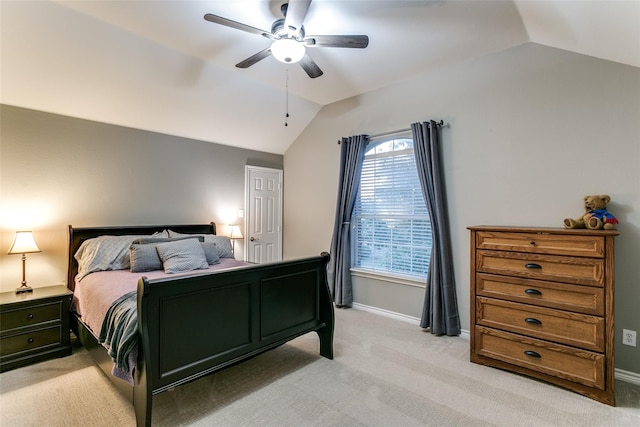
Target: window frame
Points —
{"points": [[418, 280]]}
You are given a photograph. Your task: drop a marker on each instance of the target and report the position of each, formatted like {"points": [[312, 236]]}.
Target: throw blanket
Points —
{"points": [[119, 334]]}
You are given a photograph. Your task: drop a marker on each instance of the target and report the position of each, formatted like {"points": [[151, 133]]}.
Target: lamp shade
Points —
{"points": [[288, 51], [234, 232], [23, 243]]}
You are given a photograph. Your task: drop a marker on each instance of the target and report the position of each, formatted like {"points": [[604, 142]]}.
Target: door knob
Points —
{"points": [[252, 238]]}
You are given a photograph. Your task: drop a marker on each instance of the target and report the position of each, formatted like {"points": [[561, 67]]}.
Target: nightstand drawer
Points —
{"points": [[580, 271], [553, 244], [29, 316], [580, 366], [559, 326], [31, 340], [563, 296]]}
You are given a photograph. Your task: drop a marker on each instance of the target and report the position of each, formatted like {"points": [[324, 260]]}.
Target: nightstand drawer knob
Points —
{"points": [[532, 292], [30, 340], [532, 354], [30, 316], [533, 321], [533, 265]]}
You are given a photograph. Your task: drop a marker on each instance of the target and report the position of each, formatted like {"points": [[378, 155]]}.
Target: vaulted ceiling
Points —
{"points": [[159, 66]]}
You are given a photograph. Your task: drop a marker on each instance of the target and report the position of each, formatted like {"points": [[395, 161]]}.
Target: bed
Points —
{"points": [[193, 324]]}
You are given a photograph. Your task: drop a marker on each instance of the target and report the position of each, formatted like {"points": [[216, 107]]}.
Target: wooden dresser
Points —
{"points": [[542, 305]]}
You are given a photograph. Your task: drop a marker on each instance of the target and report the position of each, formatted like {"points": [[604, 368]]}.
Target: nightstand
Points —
{"points": [[34, 326]]}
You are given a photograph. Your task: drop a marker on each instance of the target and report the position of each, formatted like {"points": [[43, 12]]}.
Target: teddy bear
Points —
{"points": [[596, 217]]}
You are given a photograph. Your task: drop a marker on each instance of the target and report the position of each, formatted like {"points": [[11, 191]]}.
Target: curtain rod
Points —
{"points": [[378, 135]]}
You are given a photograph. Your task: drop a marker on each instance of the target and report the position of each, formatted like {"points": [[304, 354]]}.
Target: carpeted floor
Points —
{"points": [[385, 373]]}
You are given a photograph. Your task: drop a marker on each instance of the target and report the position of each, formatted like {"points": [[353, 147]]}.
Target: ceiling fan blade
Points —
{"points": [[237, 25], [254, 58], [357, 42], [310, 67], [296, 11]]}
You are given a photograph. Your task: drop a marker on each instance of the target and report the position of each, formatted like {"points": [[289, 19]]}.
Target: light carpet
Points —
{"points": [[385, 373]]}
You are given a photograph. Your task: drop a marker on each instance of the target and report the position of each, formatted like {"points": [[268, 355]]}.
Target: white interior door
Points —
{"points": [[263, 220]]}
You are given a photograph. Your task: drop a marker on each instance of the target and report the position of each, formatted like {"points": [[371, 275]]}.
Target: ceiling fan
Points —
{"points": [[289, 38]]}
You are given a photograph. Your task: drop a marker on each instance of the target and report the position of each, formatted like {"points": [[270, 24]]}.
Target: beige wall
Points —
{"points": [[57, 170], [532, 130]]}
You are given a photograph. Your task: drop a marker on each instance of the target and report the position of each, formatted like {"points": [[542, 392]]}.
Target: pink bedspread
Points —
{"points": [[94, 294]]}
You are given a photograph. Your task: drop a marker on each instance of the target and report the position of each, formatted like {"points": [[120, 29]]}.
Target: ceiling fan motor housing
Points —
{"points": [[279, 31]]}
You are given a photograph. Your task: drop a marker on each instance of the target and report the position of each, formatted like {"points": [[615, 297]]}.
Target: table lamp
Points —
{"points": [[23, 244], [234, 234]]}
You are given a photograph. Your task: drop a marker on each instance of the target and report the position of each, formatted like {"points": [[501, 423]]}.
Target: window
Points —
{"points": [[391, 227]]}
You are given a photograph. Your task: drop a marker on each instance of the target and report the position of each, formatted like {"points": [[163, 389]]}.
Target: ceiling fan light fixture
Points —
{"points": [[288, 51]]}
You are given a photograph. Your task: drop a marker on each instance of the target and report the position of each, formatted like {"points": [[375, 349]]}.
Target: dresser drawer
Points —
{"points": [[563, 296], [30, 340], [576, 270], [575, 365], [559, 326], [552, 244]]}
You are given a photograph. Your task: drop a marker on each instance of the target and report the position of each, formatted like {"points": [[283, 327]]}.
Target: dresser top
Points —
{"points": [[544, 230]]}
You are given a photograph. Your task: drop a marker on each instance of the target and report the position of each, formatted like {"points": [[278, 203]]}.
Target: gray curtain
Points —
{"points": [[440, 310], [339, 277]]}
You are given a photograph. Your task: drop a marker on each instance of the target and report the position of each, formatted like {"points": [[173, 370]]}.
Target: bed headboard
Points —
{"points": [[80, 234]]}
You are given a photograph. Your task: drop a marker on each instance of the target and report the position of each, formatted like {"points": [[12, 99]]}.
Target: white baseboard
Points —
{"points": [[397, 316], [626, 376]]}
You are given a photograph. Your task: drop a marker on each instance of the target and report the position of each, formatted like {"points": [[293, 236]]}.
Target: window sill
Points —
{"points": [[388, 277]]}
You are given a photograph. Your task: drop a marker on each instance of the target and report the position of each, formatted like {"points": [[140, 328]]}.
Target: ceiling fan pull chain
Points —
{"points": [[286, 100]]}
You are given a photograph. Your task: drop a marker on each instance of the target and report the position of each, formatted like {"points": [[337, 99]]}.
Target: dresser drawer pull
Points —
{"points": [[532, 265], [30, 316], [532, 292], [30, 340], [532, 354], [533, 321]]}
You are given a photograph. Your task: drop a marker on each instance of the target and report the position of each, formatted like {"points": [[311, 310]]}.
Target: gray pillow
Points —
{"points": [[144, 258], [154, 239], [223, 243], [143, 253], [182, 255], [211, 253], [104, 253]]}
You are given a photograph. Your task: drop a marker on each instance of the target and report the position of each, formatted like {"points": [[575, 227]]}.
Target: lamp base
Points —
{"points": [[23, 289]]}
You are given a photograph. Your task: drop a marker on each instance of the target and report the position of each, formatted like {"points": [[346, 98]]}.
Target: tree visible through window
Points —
{"points": [[392, 230]]}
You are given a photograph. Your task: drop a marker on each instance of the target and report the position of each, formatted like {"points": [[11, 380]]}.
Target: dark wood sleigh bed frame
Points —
{"points": [[191, 326]]}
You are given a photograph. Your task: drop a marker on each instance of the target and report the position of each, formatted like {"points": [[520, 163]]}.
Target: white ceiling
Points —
{"points": [[159, 66]]}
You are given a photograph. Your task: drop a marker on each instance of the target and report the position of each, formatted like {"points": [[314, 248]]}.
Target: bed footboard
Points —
{"points": [[192, 326]]}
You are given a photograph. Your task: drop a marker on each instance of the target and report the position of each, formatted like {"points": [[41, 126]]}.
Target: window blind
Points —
{"points": [[392, 231]]}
